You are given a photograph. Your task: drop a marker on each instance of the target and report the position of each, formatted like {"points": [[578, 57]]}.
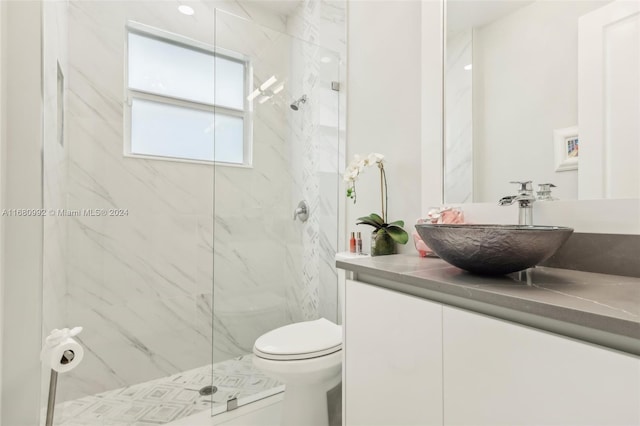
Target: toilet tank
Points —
{"points": [[247, 317]]}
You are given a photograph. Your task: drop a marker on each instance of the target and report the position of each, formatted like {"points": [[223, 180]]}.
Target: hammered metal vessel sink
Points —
{"points": [[493, 249]]}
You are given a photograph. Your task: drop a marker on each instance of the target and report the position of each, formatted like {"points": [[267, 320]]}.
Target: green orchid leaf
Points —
{"points": [[376, 219], [398, 234], [399, 223], [367, 221], [371, 221]]}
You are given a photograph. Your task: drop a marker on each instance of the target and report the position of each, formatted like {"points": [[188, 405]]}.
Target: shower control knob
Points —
{"points": [[302, 211]]}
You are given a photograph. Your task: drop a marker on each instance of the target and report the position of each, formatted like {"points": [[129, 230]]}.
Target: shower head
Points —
{"points": [[295, 105]]}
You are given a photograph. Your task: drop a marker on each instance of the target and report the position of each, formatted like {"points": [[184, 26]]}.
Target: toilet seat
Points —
{"points": [[303, 340]]}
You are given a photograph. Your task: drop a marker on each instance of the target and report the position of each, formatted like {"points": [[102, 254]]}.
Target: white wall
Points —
{"points": [[3, 23], [525, 86], [22, 308], [589, 216], [384, 107]]}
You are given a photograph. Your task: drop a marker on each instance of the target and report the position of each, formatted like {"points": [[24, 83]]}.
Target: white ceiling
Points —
{"points": [[463, 14]]}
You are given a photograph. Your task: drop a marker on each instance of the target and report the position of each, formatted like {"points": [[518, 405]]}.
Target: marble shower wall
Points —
{"points": [[459, 127], [315, 134], [135, 283], [252, 205], [141, 285], [269, 269]]}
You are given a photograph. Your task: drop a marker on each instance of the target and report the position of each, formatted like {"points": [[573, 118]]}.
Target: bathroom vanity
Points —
{"points": [[427, 343]]}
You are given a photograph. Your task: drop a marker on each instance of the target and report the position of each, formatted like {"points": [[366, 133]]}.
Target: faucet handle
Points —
{"points": [[524, 185], [544, 191], [546, 186], [301, 212]]}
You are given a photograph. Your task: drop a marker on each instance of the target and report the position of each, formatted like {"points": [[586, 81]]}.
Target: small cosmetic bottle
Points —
{"points": [[359, 244], [352, 243]]}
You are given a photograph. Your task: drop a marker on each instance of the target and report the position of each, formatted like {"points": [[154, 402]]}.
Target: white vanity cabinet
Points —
{"points": [[500, 373], [393, 358], [411, 361]]}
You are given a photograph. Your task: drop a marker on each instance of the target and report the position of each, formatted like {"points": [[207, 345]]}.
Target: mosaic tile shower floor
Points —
{"points": [[170, 398]]}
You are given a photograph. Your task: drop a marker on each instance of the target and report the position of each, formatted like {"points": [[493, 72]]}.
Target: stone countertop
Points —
{"points": [[603, 309]]}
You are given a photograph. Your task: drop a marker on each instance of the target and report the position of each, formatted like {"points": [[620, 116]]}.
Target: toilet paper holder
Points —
{"points": [[62, 353], [67, 357]]}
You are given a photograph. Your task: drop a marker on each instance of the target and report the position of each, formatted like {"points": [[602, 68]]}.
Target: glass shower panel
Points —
{"points": [[128, 241], [270, 270]]}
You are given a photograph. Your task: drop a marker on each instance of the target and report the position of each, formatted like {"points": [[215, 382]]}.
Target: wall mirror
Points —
{"points": [[545, 90]]}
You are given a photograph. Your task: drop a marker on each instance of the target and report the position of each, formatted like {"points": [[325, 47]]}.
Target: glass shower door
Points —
{"points": [[270, 267], [128, 240]]}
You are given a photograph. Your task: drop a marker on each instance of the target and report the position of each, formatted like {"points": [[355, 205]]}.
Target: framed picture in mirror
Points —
{"points": [[566, 146]]}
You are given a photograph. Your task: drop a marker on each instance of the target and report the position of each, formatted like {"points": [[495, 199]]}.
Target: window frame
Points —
{"points": [[130, 94]]}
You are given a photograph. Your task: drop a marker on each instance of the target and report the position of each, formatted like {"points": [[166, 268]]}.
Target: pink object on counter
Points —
{"points": [[442, 215], [422, 248], [451, 216]]}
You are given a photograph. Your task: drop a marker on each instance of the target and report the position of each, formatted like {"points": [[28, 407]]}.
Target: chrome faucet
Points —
{"points": [[301, 212], [525, 199]]}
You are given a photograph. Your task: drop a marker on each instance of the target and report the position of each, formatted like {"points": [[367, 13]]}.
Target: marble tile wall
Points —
{"points": [[319, 30], [304, 285], [252, 206], [141, 284], [276, 273], [135, 283], [332, 36]]}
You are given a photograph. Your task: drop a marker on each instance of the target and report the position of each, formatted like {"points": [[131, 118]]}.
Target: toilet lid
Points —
{"points": [[303, 340]]}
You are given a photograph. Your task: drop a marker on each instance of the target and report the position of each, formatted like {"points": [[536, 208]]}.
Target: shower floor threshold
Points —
{"points": [[171, 398]]}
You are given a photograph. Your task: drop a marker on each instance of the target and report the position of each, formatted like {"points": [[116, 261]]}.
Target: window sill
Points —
{"points": [[186, 160]]}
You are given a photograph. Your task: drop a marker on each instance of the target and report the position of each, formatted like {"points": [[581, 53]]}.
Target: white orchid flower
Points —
{"points": [[354, 168], [354, 164], [392, 229], [357, 166], [374, 158], [351, 174]]}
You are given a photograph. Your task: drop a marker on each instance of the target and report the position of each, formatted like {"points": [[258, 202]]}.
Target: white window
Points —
{"points": [[184, 101]]}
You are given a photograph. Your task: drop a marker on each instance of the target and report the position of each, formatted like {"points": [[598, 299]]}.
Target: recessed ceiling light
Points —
{"points": [[187, 10], [468, 67]]}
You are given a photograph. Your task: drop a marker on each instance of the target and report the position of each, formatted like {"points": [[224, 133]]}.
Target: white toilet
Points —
{"points": [[307, 357]]}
